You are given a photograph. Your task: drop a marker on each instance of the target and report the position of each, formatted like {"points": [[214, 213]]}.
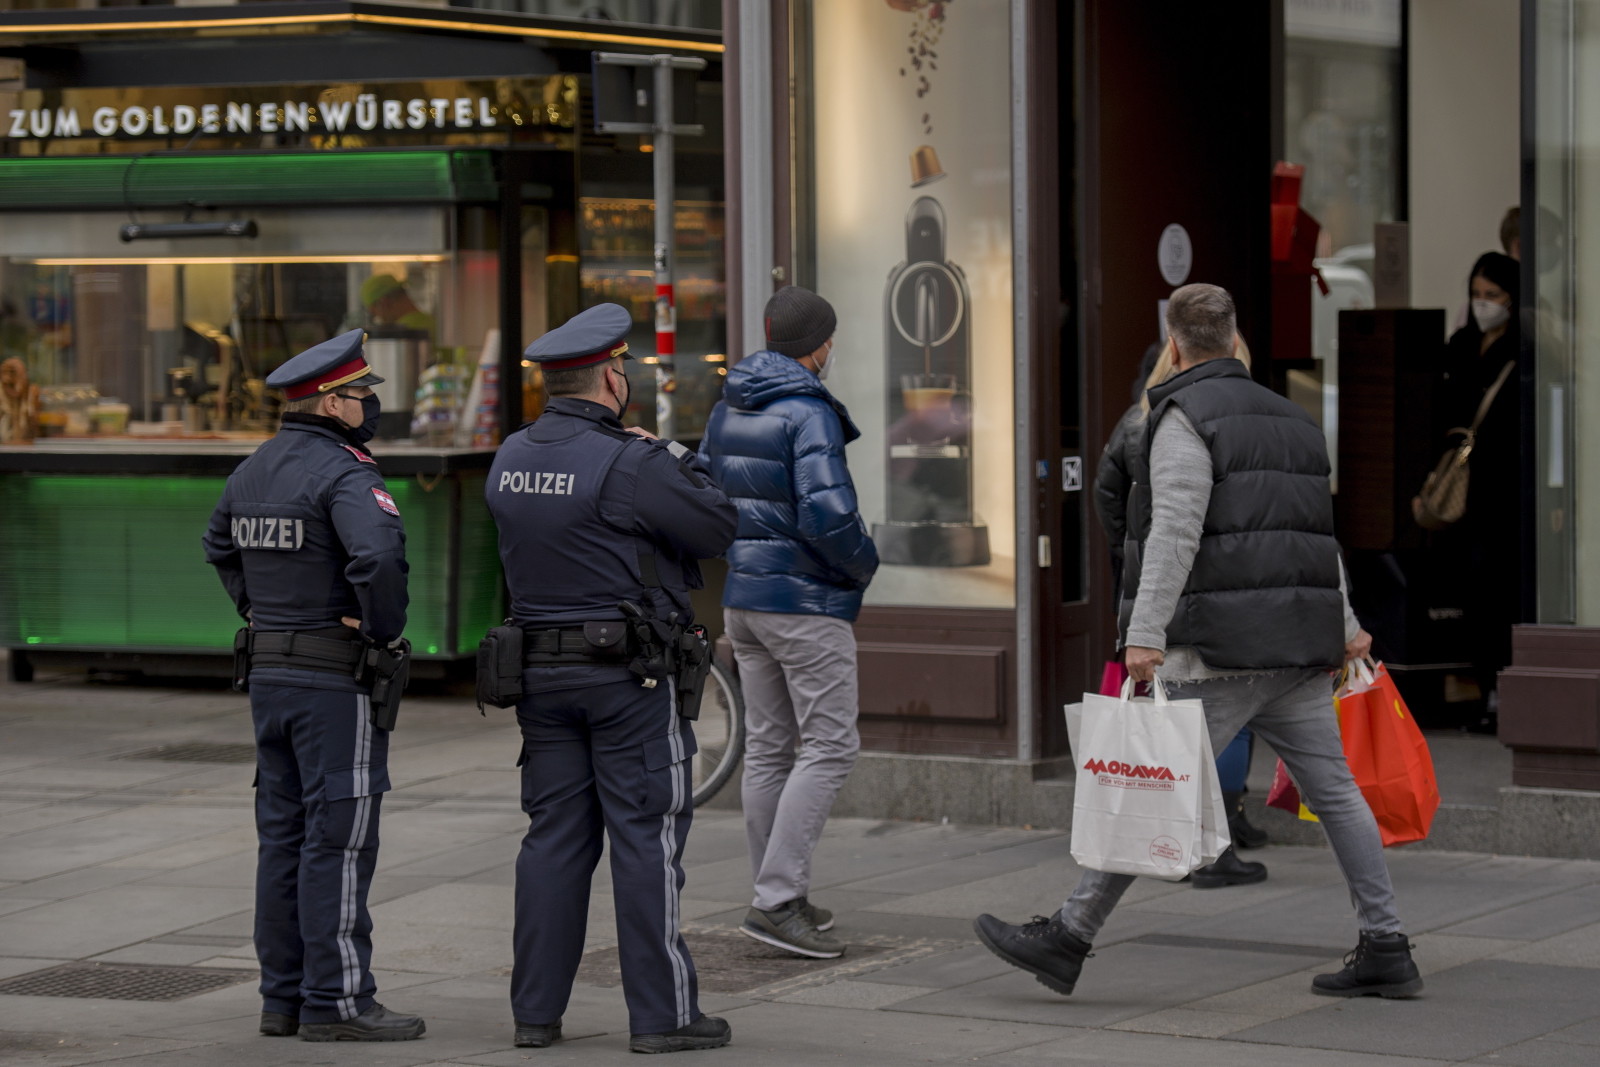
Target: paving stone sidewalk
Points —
{"points": [[149, 861]]}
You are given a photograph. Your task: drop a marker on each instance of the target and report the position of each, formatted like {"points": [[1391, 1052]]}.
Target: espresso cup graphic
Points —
{"points": [[927, 393]]}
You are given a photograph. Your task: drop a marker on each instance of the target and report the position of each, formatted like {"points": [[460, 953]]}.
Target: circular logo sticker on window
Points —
{"points": [[1166, 852], [1175, 255]]}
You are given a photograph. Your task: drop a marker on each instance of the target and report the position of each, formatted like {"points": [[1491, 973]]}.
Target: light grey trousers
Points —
{"points": [[1293, 712], [798, 673]]}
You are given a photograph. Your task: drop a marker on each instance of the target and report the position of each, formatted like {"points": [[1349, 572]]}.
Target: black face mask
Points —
{"points": [[371, 407]]}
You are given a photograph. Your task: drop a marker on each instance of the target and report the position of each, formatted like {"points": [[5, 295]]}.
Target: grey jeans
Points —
{"points": [[1293, 712], [798, 673]]}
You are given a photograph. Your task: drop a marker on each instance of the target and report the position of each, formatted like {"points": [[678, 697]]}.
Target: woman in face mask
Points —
{"points": [[1483, 550]]}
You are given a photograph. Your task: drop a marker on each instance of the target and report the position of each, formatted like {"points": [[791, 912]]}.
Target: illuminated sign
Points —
{"points": [[58, 121]]}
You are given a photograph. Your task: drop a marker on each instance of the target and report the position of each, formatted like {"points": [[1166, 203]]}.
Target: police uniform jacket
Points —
{"points": [[305, 534], [591, 515]]}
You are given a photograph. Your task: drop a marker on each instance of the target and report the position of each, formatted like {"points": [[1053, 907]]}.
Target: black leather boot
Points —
{"points": [[705, 1032], [1240, 829], [1376, 967], [377, 1023], [1042, 947], [1228, 870], [537, 1035], [276, 1025]]}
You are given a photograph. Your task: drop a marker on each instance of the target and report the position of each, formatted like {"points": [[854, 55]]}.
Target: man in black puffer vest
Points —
{"points": [[1234, 594]]}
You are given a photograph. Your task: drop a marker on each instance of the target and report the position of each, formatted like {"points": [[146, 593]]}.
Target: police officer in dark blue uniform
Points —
{"points": [[310, 546], [591, 516]]}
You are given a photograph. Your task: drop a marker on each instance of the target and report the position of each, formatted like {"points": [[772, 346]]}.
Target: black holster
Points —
{"points": [[386, 670], [693, 664], [241, 660]]}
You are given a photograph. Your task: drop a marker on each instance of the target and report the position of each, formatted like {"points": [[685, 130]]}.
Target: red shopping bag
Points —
{"points": [[1285, 796], [1112, 678], [1387, 755]]}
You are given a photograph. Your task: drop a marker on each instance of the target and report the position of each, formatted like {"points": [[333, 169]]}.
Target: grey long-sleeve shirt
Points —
{"points": [[1180, 491]]}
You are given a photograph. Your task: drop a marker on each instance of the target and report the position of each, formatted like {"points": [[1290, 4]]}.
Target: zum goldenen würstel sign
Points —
{"points": [[51, 121]]}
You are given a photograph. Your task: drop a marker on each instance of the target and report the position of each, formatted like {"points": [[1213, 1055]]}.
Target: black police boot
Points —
{"points": [[1376, 967], [705, 1032], [377, 1023], [1042, 947], [1244, 833], [538, 1035], [275, 1025], [1228, 870]]}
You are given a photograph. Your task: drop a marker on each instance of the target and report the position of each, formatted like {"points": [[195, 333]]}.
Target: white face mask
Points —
{"points": [[1489, 314], [827, 365]]}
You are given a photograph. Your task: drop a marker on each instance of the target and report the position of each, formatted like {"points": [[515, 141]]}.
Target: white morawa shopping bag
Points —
{"points": [[1148, 801]]}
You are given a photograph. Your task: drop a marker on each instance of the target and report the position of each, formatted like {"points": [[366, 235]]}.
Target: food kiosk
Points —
{"points": [[168, 238]]}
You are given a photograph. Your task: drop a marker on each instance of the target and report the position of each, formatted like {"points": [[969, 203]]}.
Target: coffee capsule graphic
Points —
{"points": [[930, 518], [925, 167]]}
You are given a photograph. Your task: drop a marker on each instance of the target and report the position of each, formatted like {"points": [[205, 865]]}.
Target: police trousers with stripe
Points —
{"points": [[322, 769], [610, 758]]}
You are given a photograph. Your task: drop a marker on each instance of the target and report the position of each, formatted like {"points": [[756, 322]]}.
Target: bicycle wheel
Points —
{"points": [[718, 733]]}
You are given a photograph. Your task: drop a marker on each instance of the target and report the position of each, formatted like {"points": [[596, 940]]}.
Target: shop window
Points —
{"points": [[1562, 248], [1342, 98], [616, 248], [179, 345], [911, 180]]}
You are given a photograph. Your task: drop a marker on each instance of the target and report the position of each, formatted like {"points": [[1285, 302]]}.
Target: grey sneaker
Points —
{"points": [[790, 928], [821, 918]]}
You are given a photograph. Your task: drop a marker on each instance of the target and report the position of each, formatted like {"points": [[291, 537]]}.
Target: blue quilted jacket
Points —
{"points": [[775, 443]]}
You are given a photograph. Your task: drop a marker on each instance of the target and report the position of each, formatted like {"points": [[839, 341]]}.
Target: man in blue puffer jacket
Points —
{"points": [[796, 572]]}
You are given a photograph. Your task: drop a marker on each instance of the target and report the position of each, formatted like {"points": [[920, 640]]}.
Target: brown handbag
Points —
{"points": [[1443, 500]]}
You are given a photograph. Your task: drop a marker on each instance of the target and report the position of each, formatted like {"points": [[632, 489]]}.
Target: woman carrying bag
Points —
{"points": [[1482, 541]]}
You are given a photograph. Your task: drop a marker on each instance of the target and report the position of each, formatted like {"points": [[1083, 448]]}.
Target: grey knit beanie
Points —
{"points": [[798, 321]]}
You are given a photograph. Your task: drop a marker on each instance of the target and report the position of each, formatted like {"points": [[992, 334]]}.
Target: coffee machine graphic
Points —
{"points": [[927, 310]]}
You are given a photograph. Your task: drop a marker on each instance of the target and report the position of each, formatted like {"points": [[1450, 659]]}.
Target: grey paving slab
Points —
{"points": [[11, 966], [239, 925], [504, 876], [165, 955], [1122, 981], [1004, 854], [111, 918], [861, 924], [116, 835], [11, 904], [1467, 1011], [237, 871], [1575, 948], [948, 970], [1541, 1052], [1584, 1033], [1537, 919], [67, 1049], [52, 814], [472, 857], [1108, 1049], [782, 1034]]}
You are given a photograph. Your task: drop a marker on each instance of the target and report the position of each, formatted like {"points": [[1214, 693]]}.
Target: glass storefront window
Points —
{"points": [[180, 345], [1562, 248], [1341, 113], [912, 187], [1342, 121], [616, 238]]}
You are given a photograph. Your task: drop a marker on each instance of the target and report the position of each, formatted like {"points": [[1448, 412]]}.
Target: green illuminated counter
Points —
{"points": [[100, 548]]}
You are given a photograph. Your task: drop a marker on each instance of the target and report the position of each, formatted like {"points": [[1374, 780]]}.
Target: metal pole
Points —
{"points": [[666, 304]]}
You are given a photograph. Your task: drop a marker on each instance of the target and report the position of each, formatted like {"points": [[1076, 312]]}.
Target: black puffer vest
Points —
{"points": [[1264, 589]]}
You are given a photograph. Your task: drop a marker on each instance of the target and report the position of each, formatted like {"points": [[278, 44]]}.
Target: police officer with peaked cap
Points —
{"points": [[592, 515], [310, 546]]}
